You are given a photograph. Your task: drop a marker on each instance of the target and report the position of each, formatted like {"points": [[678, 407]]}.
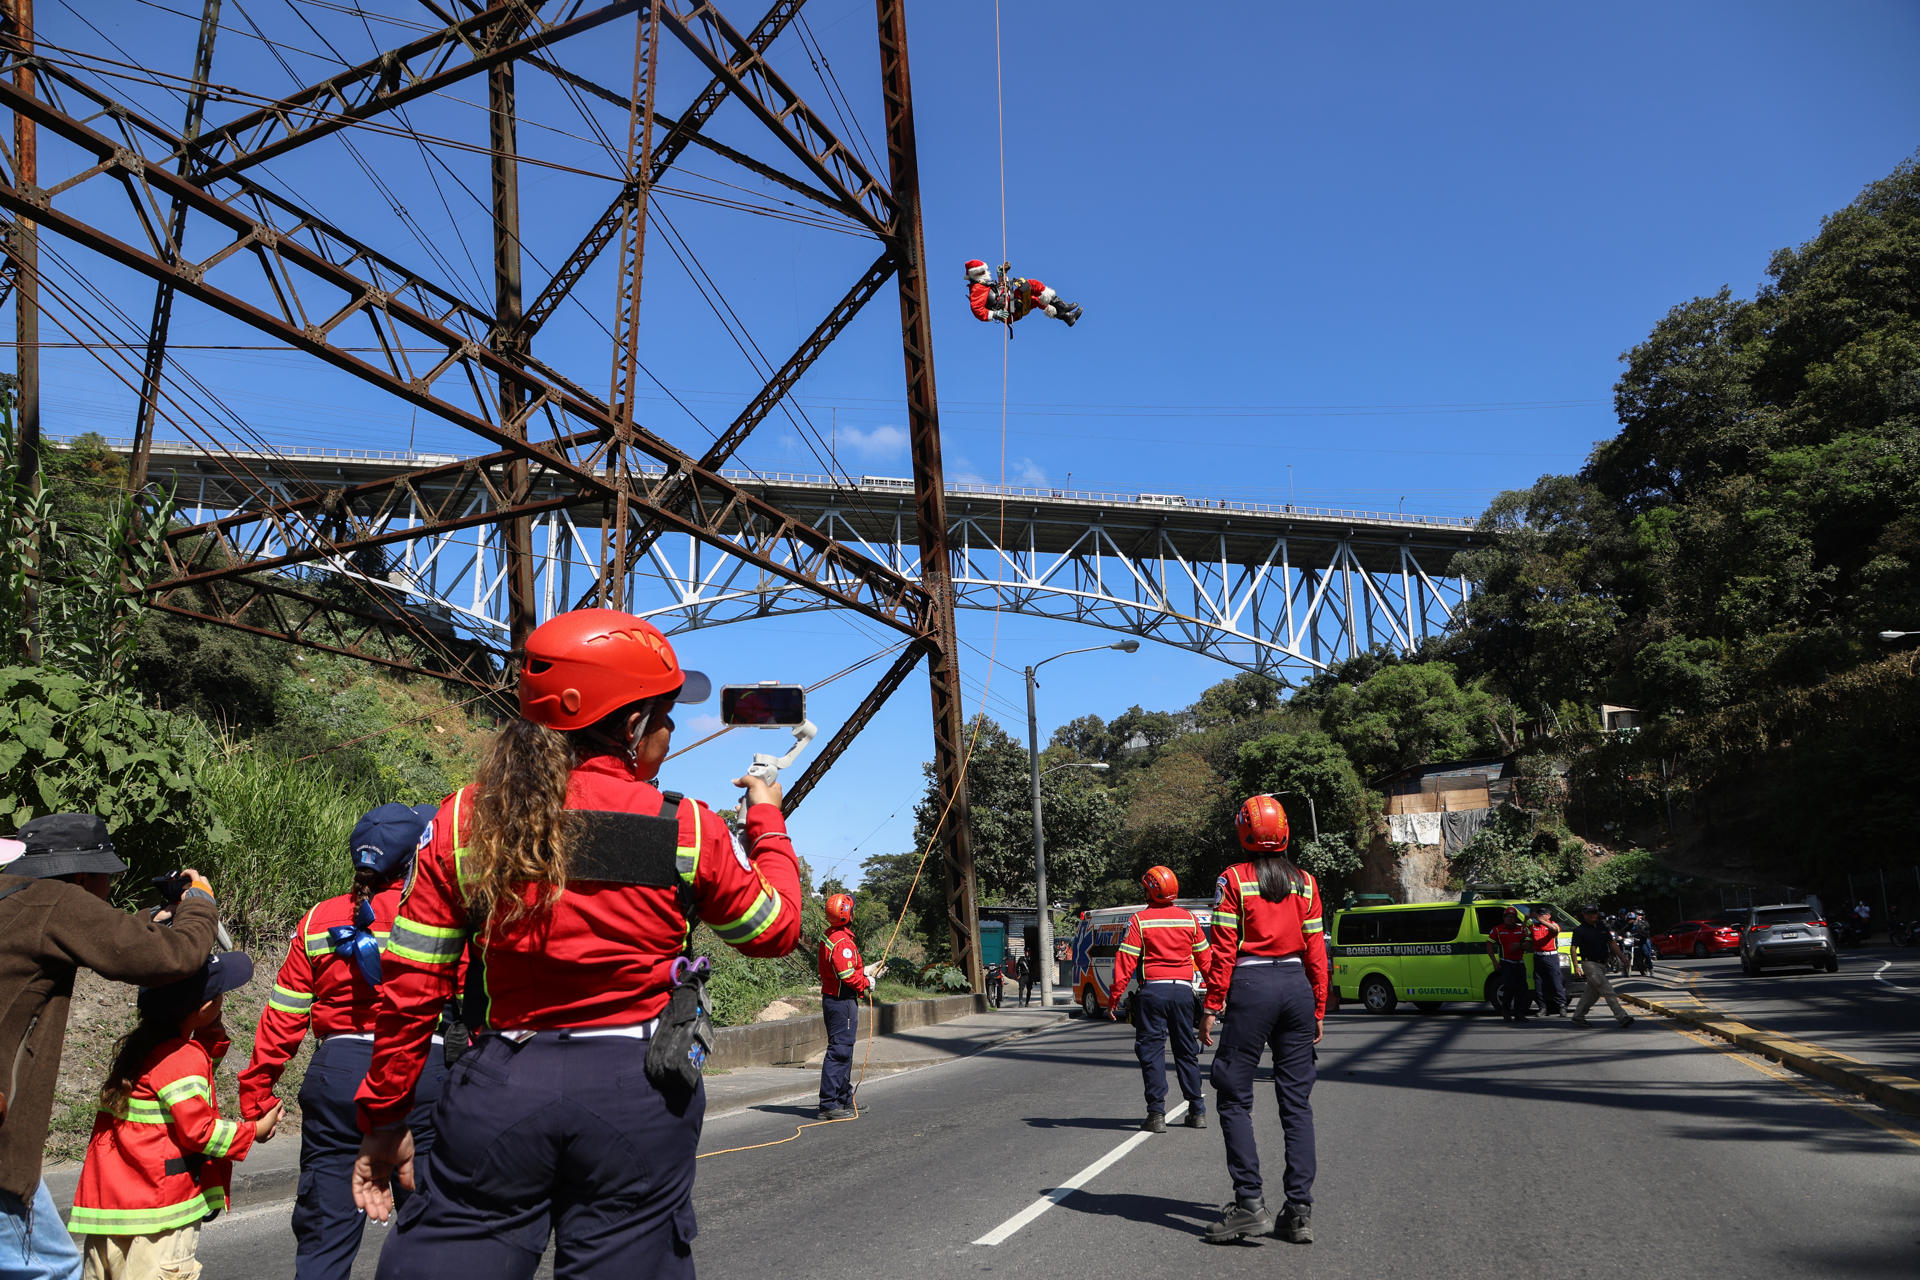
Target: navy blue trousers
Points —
{"points": [[1268, 1006], [1550, 981], [561, 1136], [1159, 1010], [326, 1226], [1513, 981], [836, 1071]]}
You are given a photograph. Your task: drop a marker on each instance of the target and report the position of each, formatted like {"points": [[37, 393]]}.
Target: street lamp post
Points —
{"points": [[1313, 814], [1039, 832]]}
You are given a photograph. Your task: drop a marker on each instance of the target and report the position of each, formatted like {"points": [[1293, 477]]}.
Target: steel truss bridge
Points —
{"points": [[1280, 589], [559, 496]]}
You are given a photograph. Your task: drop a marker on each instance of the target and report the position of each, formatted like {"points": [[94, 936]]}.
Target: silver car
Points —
{"points": [[1791, 933]]}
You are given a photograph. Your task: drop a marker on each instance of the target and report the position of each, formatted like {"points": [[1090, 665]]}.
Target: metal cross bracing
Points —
{"points": [[1263, 587], [204, 218]]}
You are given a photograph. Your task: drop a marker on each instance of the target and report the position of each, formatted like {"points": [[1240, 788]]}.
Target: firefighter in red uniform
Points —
{"points": [[329, 983], [1014, 298], [1509, 942], [1268, 968], [1167, 943], [577, 1113], [843, 980]]}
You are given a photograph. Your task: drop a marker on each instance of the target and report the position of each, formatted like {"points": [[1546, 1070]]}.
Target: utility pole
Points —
{"points": [[26, 292]]}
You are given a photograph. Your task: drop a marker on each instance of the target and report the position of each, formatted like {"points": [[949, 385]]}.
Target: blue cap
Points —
{"points": [[384, 840]]}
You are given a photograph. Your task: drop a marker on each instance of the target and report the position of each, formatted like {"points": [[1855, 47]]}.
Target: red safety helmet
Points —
{"points": [[1161, 884], [1262, 825], [840, 909], [583, 666]]}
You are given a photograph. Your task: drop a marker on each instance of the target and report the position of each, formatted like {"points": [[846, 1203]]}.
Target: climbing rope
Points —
{"points": [[993, 647]]}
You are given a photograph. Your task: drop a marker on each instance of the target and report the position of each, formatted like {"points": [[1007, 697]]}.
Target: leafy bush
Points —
{"points": [[944, 977], [64, 748]]}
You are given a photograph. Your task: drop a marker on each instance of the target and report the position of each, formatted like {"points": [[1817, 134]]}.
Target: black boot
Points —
{"points": [[1067, 311], [1296, 1223], [1243, 1217], [1196, 1119], [1154, 1123]]}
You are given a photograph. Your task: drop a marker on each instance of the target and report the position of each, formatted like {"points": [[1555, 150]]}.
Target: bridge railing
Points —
{"points": [[1168, 502]]}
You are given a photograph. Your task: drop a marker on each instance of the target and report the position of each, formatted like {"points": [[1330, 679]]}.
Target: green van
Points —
{"points": [[1431, 953]]}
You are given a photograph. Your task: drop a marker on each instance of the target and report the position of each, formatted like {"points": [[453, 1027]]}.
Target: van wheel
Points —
{"points": [[1428, 1006], [1089, 1005], [1832, 963], [1496, 998], [1377, 994], [1749, 966]]}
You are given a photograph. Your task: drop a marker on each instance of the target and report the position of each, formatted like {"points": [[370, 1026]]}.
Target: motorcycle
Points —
{"points": [[1904, 934], [1643, 956], [1849, 932]]}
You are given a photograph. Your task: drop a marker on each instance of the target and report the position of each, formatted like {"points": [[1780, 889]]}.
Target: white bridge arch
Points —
{"points": [[1281, 589]]}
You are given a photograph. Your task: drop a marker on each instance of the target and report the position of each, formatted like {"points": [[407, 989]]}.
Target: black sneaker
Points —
{"points": [[1154, 1123], [1196, 1119], [837, 1113], [1241, 1220], [1625, 1021], [1296, 1224], [1578, 1022]]}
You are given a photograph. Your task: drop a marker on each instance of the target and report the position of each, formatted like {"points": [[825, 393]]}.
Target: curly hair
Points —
{"points": [[521, 830]]}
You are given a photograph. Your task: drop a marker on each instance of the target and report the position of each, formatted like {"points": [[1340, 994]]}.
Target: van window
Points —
{"points": [[1436, 924], [1783, 915], [1358, 930], [1487, 917]]}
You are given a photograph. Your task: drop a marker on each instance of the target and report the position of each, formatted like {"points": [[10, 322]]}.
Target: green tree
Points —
{"points": [[1314, 764], [1408, 714], [1249, 695]]}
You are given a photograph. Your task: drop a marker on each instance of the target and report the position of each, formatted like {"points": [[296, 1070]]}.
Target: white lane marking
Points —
{"points": [[1880, 975], [1006, 1230]]}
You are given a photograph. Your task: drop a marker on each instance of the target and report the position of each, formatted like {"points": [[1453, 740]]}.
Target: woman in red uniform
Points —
{"points": [[329, 982], [579, 881], [1268, 968]]}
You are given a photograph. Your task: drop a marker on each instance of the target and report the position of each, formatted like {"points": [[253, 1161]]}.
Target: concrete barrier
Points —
{"points": [[793, 1040]]}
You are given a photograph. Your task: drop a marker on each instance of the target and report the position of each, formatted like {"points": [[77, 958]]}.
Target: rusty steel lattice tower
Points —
{"points": [[179, 207]]}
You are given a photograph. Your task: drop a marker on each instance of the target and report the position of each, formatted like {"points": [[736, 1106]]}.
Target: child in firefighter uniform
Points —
{"points": [[328, 984], [843, 981], [1166, 942], [160, 1161]]}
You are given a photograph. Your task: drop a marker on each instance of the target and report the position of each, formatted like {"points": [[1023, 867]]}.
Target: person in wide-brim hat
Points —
{"points": [[55, 876]]}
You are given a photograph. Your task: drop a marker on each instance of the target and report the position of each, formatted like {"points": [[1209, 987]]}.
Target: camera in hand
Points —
{"points": [[170, 886], [766, 705]]}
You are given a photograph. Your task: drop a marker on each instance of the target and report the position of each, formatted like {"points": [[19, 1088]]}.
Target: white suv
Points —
{"points": [[1791, 933]]}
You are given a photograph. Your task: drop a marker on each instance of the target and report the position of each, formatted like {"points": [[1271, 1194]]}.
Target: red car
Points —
{"points": [[1698, 938]]}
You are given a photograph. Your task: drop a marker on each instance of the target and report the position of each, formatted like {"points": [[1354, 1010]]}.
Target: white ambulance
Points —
{"points": [[1098, 940]]}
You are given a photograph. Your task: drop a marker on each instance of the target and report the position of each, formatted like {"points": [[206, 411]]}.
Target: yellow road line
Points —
{"points": [[1775, 1072]]}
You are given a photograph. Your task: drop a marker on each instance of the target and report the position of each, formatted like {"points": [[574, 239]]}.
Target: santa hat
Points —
{"points": [[978, 271]]}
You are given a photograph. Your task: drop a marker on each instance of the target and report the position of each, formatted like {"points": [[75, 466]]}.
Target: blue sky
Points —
{"points": [[1375, 255]]}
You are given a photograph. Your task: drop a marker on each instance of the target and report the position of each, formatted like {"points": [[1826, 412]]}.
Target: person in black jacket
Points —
{"points": [[1594, 945]]}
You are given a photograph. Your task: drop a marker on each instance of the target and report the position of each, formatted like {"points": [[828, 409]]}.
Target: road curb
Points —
{"points": [[1890, 1089]]}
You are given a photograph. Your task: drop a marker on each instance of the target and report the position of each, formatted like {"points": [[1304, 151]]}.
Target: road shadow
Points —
{"points": [[790, 1109], [1081, 1122], [1183, 1216]]}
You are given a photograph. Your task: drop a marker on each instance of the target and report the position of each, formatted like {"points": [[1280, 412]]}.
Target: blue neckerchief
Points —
{"points": [[357, 944]]}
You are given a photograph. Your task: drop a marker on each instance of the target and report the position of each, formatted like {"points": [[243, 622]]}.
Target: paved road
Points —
{"points": [[1869, 1010], [1449, 1143]]}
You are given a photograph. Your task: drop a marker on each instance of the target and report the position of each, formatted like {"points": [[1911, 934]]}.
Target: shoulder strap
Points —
{"points": [[19, 883]]}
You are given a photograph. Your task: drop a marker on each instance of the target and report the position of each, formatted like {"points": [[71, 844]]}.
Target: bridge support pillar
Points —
{"points": [[929, 493]]}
